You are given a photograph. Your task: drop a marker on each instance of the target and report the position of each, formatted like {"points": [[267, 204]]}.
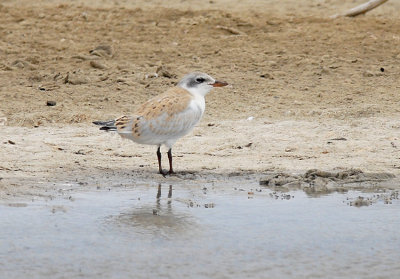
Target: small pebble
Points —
{"points": [[3, 121], [51, 103], [267, 76], [84, 15], [368, 74], [76, 78], [97, 65], [103, 51], [165, 72]]}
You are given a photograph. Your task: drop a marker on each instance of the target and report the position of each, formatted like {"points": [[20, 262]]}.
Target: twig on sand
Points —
{"points": [[231, 30], [361, 9]]}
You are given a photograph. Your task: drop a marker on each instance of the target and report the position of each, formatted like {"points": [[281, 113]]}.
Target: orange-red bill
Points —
{"points": [[219, 84]]}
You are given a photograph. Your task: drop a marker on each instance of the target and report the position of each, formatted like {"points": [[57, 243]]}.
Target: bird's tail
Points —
{"points": [[106, 125]]}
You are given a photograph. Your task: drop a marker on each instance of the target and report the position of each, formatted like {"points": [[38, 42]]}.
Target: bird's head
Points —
{"points": [[199, 83]]}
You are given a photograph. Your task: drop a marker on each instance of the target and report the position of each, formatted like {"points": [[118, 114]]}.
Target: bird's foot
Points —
{"points": [[165, 173]]}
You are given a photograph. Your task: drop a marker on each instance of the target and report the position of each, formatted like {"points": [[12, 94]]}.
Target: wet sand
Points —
{"points": [[39, 161]]}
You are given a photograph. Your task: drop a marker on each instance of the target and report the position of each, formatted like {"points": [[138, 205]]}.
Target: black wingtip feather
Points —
{"points": [[104, 123], [107, 128], [107, 125]]}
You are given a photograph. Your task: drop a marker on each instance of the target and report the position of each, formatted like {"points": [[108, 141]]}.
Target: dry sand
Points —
{"points": [[324, 93]]}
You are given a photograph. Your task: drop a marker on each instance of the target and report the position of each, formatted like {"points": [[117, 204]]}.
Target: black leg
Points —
{"points": [[159, 162], [171, 170]]}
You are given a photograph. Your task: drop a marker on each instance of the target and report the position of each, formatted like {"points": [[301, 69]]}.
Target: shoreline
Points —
{"points": [[49, 157]]}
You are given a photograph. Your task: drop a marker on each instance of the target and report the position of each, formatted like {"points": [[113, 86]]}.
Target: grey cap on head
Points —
{"points": [[193, 79]]}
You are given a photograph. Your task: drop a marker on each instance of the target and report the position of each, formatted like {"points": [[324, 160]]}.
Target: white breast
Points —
{"points": [[198, 104]]}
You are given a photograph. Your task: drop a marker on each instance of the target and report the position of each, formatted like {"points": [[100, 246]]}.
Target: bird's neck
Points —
{"points": [[195, 91]]}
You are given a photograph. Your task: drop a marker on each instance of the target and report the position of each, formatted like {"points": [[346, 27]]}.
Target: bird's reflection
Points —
{"points": [[164, 218], [158, 200]]}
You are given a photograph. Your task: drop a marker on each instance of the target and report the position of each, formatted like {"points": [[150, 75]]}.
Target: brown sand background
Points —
{"points": [[324, 93]]}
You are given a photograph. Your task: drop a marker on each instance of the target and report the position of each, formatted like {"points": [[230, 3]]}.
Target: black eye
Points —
{"points": [[200, 80]]}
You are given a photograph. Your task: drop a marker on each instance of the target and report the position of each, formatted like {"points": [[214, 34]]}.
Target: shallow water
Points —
{"points": [[148, 232]]}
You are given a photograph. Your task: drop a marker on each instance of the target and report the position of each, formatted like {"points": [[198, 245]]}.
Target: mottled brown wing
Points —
{"points": [[173, 101], [157, 116], [122, 122]]}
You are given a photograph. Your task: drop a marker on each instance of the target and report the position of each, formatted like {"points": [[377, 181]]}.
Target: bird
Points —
{"points": [[165, 118]]}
